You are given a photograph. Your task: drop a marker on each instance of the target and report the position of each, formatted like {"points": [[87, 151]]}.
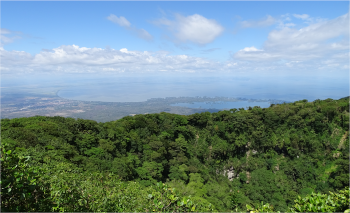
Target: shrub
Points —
{"points": [[19, 183], [334, 202]]}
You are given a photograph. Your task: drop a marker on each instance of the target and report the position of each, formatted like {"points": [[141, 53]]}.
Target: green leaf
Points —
{"points": [[249, 207]]}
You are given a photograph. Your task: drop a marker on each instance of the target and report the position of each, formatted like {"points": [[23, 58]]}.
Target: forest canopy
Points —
{"points": [[220, 161]]}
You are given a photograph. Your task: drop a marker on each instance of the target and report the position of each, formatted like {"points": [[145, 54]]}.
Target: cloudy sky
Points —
{"points": [[197, 37], [270, 47]]}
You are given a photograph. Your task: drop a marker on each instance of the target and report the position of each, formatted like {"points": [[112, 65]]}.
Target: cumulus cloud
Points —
{"points": [[319, 47], [267, 21], [323, 45], [123, 22], [194, 28], [250, 49], [308, 43], [72, 59]]}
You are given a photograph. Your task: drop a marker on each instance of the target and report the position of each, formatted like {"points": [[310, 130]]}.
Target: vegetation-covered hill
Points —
{"points": [[223, 160]]}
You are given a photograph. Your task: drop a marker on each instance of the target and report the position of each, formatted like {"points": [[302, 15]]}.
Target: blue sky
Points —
{"points": [[48, 25], [277, 40]]}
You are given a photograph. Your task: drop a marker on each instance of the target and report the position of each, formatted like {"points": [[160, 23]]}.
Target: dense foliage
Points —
{"points": [[236, 160], [65, 188], [334, 202]]}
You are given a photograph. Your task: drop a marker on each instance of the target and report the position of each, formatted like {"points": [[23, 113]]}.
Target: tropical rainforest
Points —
{"points": [[280, 158]]}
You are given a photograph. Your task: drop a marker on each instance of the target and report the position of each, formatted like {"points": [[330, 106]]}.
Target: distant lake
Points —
{"points": [[223, 105], [142, 88]]}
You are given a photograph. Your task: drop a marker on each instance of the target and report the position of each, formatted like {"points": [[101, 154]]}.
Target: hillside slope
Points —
{"points": [[229, 159]]}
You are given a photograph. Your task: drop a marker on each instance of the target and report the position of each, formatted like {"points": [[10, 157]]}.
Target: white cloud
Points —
{"points": [[308, 43], [250, 49], [5, 31], [267, 21], [15, 61], [72, 58], [321, 46], [123, 22], [141, 33], [124, 50], [307, 19], [8, 36], [194, 28], [301, 16], [15, 57], [310, 37], [285, 20]]}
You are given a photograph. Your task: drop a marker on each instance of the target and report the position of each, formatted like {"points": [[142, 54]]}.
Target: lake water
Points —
{"points": [[223, 105], [139, 88]]}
